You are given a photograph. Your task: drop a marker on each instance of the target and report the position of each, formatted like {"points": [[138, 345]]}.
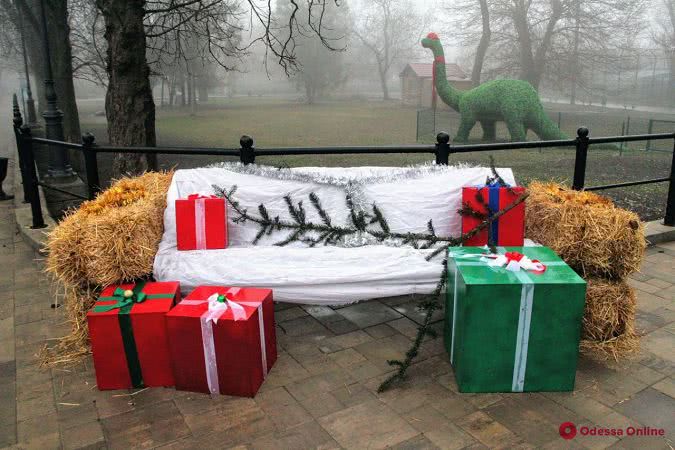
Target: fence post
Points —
{"points": [[442, 148], [669, 218], [627, 125], [580, 159], [31, 181], [417, 130], [18, 121], [650, 128], [247, 150], [91, 165]]}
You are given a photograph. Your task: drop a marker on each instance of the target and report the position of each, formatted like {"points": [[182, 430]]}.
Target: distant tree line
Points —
{"points": [[567, 44]]}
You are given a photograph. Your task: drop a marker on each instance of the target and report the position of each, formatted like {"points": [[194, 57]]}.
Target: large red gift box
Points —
{"points": [[222, 340], [128, 335], [509, 229], [201, 222]]}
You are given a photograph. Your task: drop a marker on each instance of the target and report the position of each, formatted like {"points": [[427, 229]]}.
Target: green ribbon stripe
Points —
{"points": [[124, 304]]}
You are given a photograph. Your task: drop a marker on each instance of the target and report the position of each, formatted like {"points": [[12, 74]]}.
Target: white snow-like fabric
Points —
{"points": [[410, 203], [320, 275], [252, 191]]}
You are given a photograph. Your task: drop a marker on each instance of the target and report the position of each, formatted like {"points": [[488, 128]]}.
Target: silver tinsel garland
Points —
{"points": [[351, 184]]}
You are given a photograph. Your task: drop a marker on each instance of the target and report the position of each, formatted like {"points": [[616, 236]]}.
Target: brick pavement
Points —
{"points": [[322, 391]]}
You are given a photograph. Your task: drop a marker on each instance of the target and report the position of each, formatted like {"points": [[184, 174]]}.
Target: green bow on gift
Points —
{"points": [[125, 298]]}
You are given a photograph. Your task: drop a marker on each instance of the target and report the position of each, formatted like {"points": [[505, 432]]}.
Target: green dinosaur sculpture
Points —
{"points": [[513, 101]]}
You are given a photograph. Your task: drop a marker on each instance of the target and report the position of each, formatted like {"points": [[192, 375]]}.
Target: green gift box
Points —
{"points": [[512, 331]]}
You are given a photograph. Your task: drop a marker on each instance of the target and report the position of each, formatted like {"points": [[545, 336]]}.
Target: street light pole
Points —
{"points": [[31, 116], [59, 164]]}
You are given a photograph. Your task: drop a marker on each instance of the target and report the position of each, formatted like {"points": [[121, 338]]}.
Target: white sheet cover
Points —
{"points": [[320, 275]]}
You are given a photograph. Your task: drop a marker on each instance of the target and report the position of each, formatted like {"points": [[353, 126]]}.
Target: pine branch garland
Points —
{"points": [[375, 225]]}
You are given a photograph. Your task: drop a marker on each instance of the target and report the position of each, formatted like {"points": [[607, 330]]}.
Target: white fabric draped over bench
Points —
{"points": [[322, 275]]}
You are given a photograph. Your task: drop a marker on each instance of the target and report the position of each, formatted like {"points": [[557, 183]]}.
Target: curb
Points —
{"points": [[656, 232], [36, 238]]}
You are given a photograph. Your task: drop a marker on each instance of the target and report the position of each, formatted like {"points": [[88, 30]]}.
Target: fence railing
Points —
{"points": [[247, 153]]}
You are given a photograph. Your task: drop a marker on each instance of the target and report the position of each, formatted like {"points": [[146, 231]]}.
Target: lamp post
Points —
{"points": [[59, 164], [31, 116]]}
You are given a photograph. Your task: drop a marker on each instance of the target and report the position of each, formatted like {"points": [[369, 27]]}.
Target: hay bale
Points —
{"points": [[109, 240], [113, 238], [586, 230], [608, 330]]}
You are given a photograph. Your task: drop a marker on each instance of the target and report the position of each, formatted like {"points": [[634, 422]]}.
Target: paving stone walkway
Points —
{"points": [[322, 391]]}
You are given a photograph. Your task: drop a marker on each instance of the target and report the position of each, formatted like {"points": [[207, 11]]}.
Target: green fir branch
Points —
{"points": [[329, 234], [319, 209], [423, 331]]}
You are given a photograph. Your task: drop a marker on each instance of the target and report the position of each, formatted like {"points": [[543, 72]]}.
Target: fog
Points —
{"points": [[619, 55]]}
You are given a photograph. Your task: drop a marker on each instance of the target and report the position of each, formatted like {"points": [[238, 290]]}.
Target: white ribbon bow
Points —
{"points": [[211, 315], [515, 265], [217, 308]]}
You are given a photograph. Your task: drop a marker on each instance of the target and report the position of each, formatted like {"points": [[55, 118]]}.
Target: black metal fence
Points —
{"points": [[247, 153], [619, 123]]}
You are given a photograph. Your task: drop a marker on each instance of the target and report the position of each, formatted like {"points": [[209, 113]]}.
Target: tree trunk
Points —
{"points": [[383, 82], [309, 92], [183, 89], [527, 69], [129, 105], [172, 91], [671, 66], [190, 94], [203, 90], [575, 52], [193, 95], [482, 45], [161, 95]]}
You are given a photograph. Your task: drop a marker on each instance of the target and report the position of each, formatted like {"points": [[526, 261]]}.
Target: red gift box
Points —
{"points": [[222, 340], [507, 230], [201, 222], [128, 335]]}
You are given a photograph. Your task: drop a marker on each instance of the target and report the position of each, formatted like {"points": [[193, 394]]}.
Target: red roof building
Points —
{"points": [[416, 79]]}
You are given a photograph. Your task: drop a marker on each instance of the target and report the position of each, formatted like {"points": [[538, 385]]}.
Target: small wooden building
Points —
{"points": [[416, 79]]}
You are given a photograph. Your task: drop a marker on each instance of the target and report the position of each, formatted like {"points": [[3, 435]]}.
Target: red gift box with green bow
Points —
{"points": [[127, 330]]}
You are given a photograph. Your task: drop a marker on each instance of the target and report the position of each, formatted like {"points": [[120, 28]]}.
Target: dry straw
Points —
{"points": [[113, 238], [586, 230], [609, 320], [70, 349], [109, 240]]}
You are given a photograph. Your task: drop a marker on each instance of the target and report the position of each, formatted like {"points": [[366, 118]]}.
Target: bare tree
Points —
{"points": [[527, 16], [24, 15], [536, 39], [133, 26], [663, 35], [389, 29], [320, 69], [87, 41]]}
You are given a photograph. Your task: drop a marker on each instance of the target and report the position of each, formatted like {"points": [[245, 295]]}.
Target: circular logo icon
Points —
{"points": [[567, 430]]}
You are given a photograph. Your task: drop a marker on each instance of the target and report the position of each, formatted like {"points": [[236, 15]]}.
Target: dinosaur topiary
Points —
{"points": [[513, 101]]}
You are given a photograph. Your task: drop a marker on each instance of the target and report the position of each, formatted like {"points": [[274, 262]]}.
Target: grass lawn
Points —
{"points": [[279, 123]]}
